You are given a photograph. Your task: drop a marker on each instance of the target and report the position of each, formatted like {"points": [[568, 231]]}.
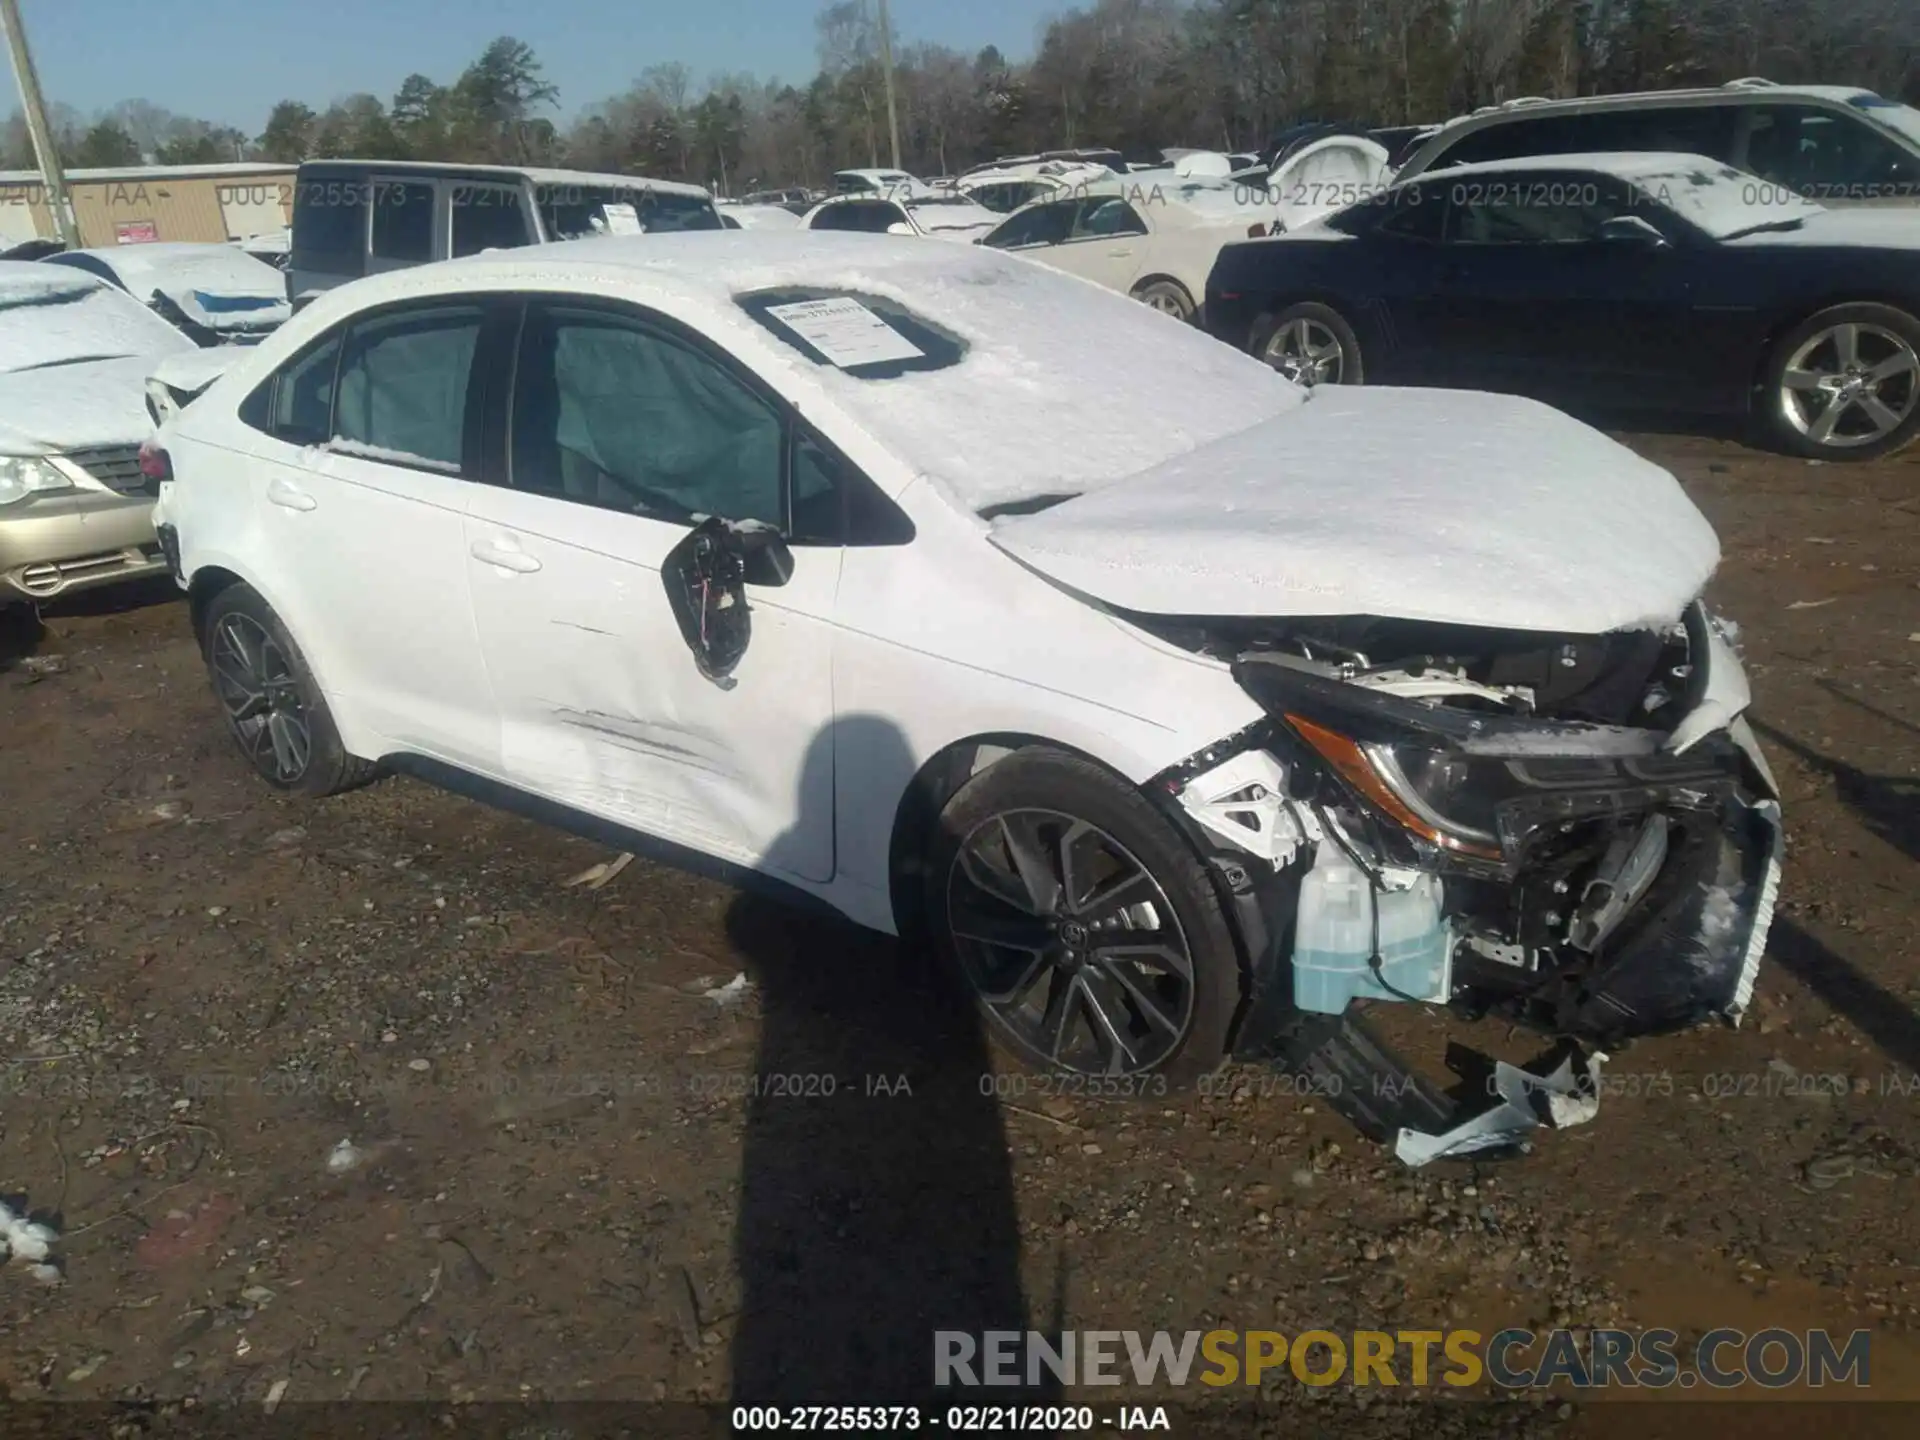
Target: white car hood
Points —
{"points": [[1441, 505], [75, 407]]}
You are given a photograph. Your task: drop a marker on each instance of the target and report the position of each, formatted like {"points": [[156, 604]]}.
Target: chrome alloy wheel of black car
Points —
{"points": [[1070, 943], [1850, 384], [1307, 353], [264, 707]]}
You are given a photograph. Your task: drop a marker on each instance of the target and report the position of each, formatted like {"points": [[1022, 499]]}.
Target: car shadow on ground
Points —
{"points": [[877, 1201], [1888, 805]]}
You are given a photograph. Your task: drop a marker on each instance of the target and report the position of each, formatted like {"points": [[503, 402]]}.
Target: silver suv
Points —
{"points": [[1830, 143]]}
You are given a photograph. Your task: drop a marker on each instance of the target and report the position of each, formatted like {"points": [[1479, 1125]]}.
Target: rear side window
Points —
{"points": [[330, 222], [302, 411], [1827, 156], [1688, 129], [1040, 225], [488, 217], [1107, 215], [402, 221], [403, 386]]}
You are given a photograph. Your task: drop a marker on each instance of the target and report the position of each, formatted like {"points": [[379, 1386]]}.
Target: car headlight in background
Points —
{"points": [[24, 475]]}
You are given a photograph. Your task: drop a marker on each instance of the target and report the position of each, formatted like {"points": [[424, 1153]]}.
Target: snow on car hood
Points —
{"points": [[1895, 227], [75, 407], [1440, 505]]}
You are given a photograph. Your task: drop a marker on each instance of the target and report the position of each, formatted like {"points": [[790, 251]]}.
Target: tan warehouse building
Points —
{"points": [[152, 202]]}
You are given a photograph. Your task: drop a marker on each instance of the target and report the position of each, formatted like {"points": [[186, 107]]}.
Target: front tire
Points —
{"points": [[274, 710], [1082, 924], [1845, 384], [1311, 344]]}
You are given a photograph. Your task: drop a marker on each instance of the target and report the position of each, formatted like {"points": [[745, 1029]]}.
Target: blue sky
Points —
{"points": [[228, 61]]}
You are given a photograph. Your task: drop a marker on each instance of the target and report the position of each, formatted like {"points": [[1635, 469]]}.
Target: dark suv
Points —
{"points": [[1832, 144]]}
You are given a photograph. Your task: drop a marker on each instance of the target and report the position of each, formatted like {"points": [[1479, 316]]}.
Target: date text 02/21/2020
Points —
{"points": [[954, 1420]]}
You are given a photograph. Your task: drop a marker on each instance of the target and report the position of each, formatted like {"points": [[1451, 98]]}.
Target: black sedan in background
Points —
{"points": [[1644, 281]]}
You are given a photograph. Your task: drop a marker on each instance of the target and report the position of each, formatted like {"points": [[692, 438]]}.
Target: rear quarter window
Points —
{"points": [[330, 221]]}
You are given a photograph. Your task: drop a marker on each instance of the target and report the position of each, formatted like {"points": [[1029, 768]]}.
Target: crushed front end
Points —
{"points": [[1576, 833]]}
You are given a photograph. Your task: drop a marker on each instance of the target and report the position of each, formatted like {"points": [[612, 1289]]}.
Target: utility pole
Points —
{"points": [[886, 67], [37, 128]]}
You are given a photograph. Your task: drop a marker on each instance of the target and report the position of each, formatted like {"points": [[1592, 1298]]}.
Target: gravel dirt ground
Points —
{"points": [[362, 1097]]}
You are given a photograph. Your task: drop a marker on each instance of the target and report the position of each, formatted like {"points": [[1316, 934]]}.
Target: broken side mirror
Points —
{"points": [[706, 576]]}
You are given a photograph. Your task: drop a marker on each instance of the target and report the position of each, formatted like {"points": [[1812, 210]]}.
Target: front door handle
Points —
{"points": [[504, 556], [289, 496]]}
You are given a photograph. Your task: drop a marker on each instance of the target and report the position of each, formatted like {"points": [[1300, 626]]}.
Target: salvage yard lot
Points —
{"points": [[570, 1171]]}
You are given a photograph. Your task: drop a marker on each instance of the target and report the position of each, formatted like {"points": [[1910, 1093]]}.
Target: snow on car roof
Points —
{"points": [[538, 174], [1711, 194], [1631, 99], [1180, 200], [1063, 387]]}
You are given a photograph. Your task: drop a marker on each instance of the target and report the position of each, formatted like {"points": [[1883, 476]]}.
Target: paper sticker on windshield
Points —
{"points": [[846, 332], [622, 220]]}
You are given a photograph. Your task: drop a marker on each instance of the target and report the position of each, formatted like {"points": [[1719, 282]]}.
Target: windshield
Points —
{"points": [[1891, 113], [1002, 380], [66, 326], [951, 212], [579, 212]]}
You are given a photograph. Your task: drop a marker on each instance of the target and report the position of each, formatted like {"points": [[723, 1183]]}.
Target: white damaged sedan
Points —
{"points": [[1176, 708]]}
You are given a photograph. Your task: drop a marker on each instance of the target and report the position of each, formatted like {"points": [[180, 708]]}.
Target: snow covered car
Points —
{"points": [[76, 511], [1172, 735], [214, 294], [1155, 240], [1004, 189], [935, 217]]}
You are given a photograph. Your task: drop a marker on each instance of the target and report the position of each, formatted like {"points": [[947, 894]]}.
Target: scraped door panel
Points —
{"points": [[603, 708]]}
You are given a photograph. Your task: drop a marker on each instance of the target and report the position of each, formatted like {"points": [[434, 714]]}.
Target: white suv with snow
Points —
{"points": [[988, 608]]}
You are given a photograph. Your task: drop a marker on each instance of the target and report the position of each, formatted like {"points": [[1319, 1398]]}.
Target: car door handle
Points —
{"points": [[289, 496], [504, 557]]}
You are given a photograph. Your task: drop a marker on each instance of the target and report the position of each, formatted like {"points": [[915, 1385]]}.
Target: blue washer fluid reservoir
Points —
{"points": [[1334, 938]]}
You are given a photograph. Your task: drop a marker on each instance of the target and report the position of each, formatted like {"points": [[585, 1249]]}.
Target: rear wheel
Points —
{"points": [[1311, 344], [274, 710], [1082, 923], [1845, 384], [1169, 297]]}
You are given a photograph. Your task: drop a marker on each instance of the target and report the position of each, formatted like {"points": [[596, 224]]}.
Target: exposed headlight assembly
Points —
{"points": [[24, 475], [1480, 787]]}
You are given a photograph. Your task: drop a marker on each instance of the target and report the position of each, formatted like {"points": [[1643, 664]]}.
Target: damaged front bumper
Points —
{"points": [[1596, 883]]}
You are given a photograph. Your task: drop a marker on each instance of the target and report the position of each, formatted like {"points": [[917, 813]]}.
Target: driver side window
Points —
{"points": [[612, 413]]}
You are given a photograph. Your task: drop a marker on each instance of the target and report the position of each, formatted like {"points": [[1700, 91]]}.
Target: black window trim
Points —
{"points": [[502, 365], [472, 453]]}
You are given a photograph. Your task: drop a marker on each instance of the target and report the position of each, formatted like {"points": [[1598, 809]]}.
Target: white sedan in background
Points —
{"points": [[934, 217], [1169, 734], [214, 294], [1154, 239]]}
